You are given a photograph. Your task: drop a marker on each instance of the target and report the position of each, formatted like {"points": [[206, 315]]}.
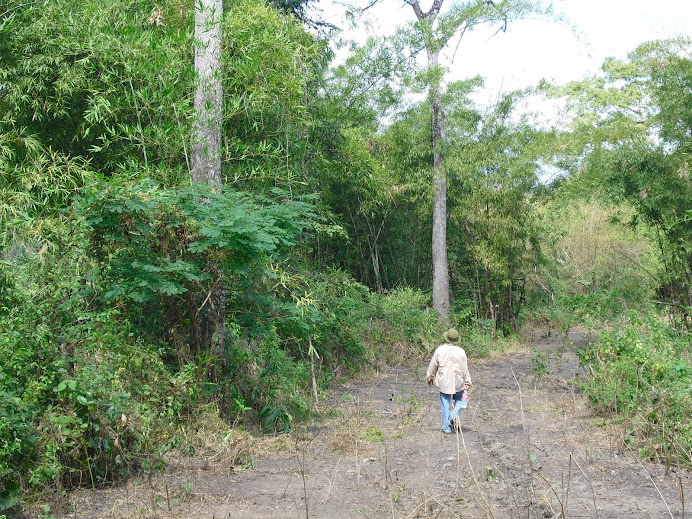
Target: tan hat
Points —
{"points": [[451, 336]]}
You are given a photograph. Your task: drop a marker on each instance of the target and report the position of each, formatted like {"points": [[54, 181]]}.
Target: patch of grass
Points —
{"points": [[479, 343], [331, 412], [374, 434]]}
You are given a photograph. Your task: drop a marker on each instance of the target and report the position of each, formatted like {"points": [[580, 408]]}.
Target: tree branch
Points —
{"points": [[416, 9], [433, 12]]}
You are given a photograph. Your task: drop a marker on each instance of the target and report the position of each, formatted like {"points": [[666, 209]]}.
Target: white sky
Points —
{"points": [[534, 49]]}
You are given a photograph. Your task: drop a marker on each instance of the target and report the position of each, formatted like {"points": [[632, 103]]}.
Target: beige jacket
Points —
{"points": [[449, 367]]}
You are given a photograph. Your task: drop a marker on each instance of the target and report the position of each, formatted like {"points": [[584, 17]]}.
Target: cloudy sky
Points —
{"points": [[535, 49]]}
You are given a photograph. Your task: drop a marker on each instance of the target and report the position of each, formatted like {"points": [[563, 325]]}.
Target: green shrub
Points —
{"points": [[281, 387], [402, 325], [642, 374], [478, 340], [593, 306], [83, 399]]}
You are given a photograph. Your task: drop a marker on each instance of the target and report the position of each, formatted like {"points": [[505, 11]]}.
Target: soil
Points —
{"points": [[528, 448]]}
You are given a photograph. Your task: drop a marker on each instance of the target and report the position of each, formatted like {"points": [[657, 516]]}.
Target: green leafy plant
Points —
{"points": [[539, 364], [407, 406], [373, 434], [641, 374]]}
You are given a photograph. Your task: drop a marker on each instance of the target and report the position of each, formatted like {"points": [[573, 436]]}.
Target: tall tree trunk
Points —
{"points": [[436, 33], [439, 231], [206, 130], [205, 163]]}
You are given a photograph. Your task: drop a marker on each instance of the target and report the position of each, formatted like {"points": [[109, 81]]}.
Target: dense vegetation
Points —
{"points": [[320, 235]]}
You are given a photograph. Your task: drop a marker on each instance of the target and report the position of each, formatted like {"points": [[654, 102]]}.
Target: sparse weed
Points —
{"points": [[492, 474], [539, 364], [373, 433], [407, 406]]}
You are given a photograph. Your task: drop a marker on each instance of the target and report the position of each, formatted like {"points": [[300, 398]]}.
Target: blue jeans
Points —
{"points": [[450, 411]]}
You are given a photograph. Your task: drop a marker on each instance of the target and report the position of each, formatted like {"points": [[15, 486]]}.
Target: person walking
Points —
{"points": [[449, 371]]}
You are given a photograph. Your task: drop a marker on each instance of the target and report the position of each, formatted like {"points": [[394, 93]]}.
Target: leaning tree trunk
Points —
{"points": [[205, 160]]}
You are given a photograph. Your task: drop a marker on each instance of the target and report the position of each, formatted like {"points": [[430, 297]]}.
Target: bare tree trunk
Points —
{"points": [[205, 163], [436, 34], [440, 286], [206, 130], [439, 231]]}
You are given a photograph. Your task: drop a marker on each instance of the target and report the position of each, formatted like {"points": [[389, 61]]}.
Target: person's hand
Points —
{"points": [[430, 380]]}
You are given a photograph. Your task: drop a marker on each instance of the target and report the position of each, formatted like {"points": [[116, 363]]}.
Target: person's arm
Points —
{"points": [[432, 370], [466, 374]]}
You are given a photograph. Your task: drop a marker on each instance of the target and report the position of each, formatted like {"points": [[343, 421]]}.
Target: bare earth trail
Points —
{"points": [[528, 449]]}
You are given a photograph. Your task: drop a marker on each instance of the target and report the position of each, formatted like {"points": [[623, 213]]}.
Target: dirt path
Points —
{"points": [[528, 449]]}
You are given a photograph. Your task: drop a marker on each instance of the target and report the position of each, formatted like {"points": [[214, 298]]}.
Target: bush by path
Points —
{"points": [[640, 376]]}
